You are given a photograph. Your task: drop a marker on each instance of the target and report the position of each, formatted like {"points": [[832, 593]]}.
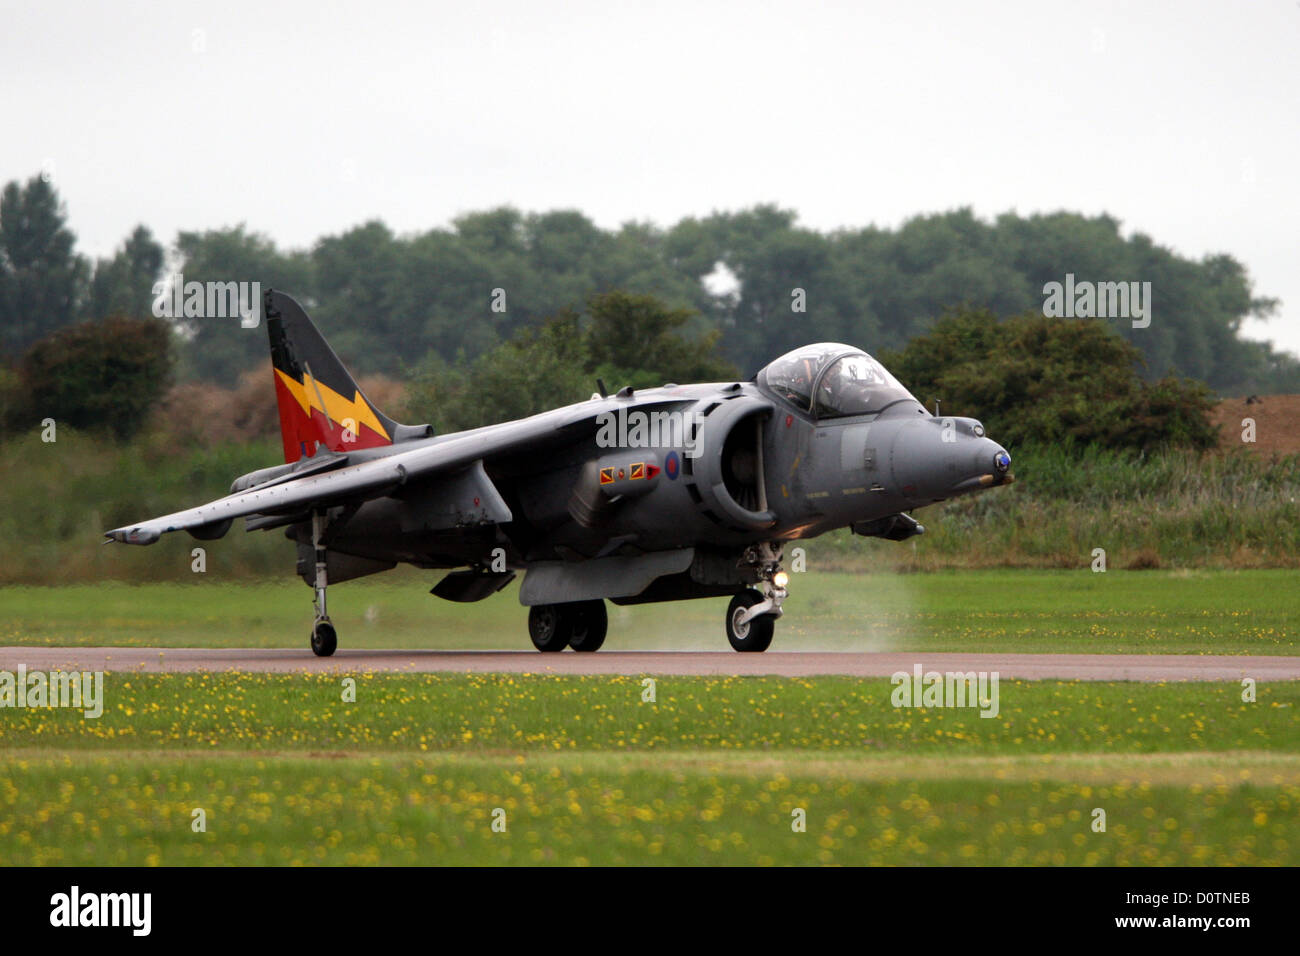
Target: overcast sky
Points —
{"points": [[304, 118]]}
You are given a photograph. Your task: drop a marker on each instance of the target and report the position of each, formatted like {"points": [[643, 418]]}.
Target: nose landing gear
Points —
{"points": [[752, 614]]}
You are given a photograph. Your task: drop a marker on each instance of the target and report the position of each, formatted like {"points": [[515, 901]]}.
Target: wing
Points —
{"points": [[380, 476], [359, 482], [369, 479]]}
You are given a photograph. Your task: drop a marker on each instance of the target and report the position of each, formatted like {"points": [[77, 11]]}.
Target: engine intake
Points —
{"points": [[726, 471]]}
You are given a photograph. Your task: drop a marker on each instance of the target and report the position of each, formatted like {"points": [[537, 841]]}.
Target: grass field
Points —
{"points": [[419, 810], [714, 770], [585, 771], [547, 713], [1187, 612]]}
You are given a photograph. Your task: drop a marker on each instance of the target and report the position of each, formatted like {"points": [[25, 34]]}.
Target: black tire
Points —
{"points": [[756, 635], [324, 640], [549, 625], [590, 623]]}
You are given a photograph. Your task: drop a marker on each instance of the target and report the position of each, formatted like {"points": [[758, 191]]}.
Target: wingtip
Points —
{"points": [[131, 536]]}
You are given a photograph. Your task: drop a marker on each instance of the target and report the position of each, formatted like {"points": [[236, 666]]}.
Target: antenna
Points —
{"points": [[600, 386]]}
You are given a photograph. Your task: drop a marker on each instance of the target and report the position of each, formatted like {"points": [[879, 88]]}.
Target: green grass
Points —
{"points": [[409, 810], [548, 713], [413, 770], [1185, 612]]}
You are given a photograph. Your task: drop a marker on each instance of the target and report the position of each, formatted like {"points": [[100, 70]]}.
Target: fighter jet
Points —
{"points": [[656, 494]]}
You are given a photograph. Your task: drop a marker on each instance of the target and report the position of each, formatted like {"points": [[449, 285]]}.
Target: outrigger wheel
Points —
{"points": [[579, 624], [324, 640]]}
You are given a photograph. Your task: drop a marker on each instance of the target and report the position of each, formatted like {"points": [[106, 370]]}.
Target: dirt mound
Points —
{"points": [[1277, 423]]}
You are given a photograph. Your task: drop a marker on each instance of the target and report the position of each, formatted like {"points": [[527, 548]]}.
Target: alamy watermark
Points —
{"points": [[174, 298], [634, 428], [78, 689], [950, 689], [1098, 300], [76, 908]]}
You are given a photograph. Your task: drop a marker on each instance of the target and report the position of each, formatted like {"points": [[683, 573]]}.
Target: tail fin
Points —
{"points": [[319, 402]]}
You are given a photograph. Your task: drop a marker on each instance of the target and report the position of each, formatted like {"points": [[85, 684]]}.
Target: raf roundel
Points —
{"points": [[672, 465]]}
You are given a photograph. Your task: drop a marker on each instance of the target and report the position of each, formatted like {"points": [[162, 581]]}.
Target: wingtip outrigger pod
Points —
{"points": [[324, 639], [130, 536]]}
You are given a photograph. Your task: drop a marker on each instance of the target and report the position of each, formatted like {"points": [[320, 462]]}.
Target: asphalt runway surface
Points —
{"points": [[1136, 667]]}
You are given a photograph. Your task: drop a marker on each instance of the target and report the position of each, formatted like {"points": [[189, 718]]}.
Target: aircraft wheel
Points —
{"points": [[590, 622], [550, 626], [324, 640], [755, 635]]}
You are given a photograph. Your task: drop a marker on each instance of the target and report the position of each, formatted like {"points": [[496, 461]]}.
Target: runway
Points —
{"points": [[1121, 667]]}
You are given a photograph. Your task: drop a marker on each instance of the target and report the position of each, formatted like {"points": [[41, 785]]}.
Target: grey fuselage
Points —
{"points": [[732, 465]]}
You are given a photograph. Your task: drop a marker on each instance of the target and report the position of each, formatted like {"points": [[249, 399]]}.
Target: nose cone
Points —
{"points": [[934, 459], [988, 465]]}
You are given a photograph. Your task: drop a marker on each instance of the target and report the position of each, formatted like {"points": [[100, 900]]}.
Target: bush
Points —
{"points": [[11, 400], [1031, 378], [106, 374]]}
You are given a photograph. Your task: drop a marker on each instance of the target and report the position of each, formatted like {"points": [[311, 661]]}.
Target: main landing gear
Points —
{"points": [[752, 614], [324, 640], [579, 624]]}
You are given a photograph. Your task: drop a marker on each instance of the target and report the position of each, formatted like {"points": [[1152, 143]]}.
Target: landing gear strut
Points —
{"points": [[324, 640], [752, 614], [578, 624]]}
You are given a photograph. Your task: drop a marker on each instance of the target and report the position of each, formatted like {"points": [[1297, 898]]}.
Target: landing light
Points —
{"points": [[780, 579]]}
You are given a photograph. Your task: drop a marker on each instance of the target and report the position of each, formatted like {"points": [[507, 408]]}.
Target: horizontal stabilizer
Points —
{"points": [[339, 566]]}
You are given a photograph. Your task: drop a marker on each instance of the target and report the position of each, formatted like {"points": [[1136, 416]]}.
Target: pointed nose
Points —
{"points": [[985, 466], [932, 462]]}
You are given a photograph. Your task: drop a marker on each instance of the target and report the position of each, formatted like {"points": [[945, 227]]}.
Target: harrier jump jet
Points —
{"points": [[658, 494]]}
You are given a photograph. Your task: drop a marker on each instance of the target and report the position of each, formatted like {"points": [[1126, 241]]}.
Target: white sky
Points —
{"points": [[304, 118]]}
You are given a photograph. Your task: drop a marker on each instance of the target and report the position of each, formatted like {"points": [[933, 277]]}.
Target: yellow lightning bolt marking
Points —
{"points": [[310, 393]]}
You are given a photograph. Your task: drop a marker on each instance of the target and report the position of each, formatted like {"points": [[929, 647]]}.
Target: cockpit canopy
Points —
{"points": [[832, 381]]}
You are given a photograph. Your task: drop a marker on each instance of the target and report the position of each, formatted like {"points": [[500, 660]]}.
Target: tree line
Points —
{"points": [[755, 281]]}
